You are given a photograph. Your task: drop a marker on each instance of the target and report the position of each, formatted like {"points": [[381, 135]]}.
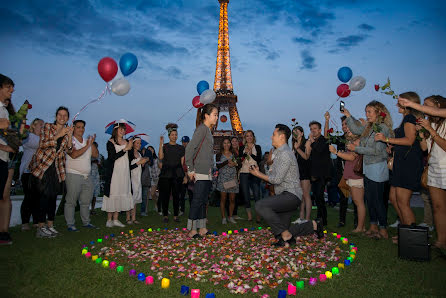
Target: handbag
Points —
{"points": [[343, 186], [390, 162], [358, 166], [230, 184]]}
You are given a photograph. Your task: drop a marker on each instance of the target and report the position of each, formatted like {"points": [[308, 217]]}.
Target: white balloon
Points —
{"points": [[120, 87], [357, 83], [208, 96]]}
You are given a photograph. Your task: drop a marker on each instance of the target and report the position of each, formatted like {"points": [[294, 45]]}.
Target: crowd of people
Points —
{"points": [[372, 162]]}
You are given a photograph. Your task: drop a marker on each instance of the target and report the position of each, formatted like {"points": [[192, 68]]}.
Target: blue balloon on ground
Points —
{"points": [[202, 86], [345, 74], [128, 63]]}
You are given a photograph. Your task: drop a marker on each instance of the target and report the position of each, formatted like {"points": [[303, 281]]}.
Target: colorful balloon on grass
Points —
{"points": [[128, 63], [202, 86], [107, 68], [121, 87], [343, 90], [208, 96], [345, 74], [196, 102], [357, 83]]}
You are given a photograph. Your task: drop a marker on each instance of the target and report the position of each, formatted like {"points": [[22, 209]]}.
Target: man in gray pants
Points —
{"points": [[278, 210], [78, 180]]}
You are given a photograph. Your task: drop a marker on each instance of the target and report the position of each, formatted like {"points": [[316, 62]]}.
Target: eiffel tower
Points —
{"points": [[226, 99]]}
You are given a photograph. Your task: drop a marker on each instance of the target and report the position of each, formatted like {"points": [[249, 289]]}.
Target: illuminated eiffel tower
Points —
{"points": [[226, 99]]}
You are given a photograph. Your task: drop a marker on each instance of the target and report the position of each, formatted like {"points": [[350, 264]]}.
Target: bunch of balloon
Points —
{"points": [[345, 75], [107, 69], [127, 64], [205, 95]]}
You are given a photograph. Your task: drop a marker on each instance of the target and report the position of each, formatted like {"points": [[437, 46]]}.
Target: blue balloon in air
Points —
{"points": [[202, 86], [128, 63], [345, 74]]}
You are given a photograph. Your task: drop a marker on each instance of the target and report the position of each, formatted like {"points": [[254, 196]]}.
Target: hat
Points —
{"points": [[185, 139]]}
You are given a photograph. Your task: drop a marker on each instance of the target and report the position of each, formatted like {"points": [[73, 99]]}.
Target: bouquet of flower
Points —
{"points": [[12, 135], [387, 87], [335, 137], [294, 124], [375, 126]]}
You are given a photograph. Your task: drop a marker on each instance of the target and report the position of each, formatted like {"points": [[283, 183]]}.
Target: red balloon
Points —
{"points": [[196, 102], [343, 90], [107, 68], [223, 118]]}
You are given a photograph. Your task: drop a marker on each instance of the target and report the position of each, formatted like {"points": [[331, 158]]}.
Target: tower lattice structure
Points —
{"points": [[226, 99]]}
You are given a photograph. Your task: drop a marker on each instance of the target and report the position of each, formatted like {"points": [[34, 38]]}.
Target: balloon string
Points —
{"points": [[106, 91], [181, 117], [334, 103]]}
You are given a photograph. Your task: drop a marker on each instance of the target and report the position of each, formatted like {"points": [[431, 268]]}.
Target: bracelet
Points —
{"points": [[387, 140], [433, 137]]}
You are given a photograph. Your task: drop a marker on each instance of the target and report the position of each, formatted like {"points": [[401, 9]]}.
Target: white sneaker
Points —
{"points": [[109, 224], [117, 223], [223, 221], [423, 224], [237, 217], [180, 213], [395, 224], [231, 220], [299, 221], [160, 213], [43, 232], [53, 230]]}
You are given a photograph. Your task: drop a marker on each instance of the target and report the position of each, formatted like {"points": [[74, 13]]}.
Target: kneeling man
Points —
{"points": [[284, 175]]}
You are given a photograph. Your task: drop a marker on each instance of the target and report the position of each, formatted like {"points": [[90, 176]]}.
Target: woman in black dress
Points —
{"points": [[408, 160], [304, 173], [172, 174]]}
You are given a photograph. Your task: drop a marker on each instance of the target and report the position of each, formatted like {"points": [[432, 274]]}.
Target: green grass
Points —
{"points": [[55, 267]]}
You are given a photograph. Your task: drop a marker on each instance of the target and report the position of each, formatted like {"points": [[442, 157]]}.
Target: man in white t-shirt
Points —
{"points": [[6, 90], [78, 181]]}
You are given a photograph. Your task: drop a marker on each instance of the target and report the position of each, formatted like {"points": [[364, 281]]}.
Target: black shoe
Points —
{"points": [[341, 225], [280, 243], [319, 229]]}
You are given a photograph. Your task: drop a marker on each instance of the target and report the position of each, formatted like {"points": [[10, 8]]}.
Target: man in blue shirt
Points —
{"points": [[284, 174]]}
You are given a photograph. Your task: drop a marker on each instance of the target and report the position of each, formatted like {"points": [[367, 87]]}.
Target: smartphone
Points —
{"points": [[341, 106]]}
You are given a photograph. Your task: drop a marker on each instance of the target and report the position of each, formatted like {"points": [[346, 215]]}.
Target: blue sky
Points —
{"points": [[284, 54]]}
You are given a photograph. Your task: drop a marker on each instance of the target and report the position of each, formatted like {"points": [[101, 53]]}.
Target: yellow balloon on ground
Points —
{"points": [[165, 283]]}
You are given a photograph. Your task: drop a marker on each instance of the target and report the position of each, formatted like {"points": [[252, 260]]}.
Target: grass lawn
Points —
{"points": [[55, 267]]}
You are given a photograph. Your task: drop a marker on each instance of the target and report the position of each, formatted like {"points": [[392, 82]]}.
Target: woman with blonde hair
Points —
{"points": [[251, 155], [407, 161], [375, 168]]}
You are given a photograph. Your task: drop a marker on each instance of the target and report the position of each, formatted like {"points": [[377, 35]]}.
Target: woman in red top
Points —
{"points": [[353, 180]]}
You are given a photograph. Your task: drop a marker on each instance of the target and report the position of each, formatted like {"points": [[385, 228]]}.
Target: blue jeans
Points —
{"points": [[248, 181], [145, 197], [197, 212], [373, 195]]}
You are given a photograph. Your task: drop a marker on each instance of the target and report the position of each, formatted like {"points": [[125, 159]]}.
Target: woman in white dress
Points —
{"points": [[117, 187], [136, 162]]}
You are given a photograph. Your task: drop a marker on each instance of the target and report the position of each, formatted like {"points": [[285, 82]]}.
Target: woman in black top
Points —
{"points": [[304, 173], [407, 162], [251, 154], [172, 174]]}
